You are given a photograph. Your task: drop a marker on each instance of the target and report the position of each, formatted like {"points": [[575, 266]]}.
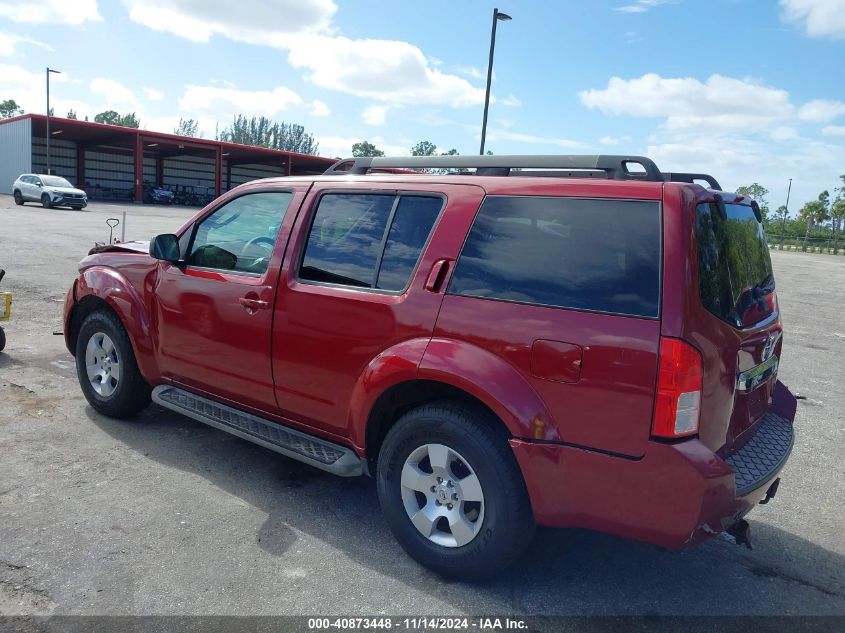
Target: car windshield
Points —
{"points": [[55, 181]]}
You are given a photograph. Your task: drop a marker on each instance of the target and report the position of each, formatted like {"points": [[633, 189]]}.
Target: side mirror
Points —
{"points": [[165, 247], [39, 184]]}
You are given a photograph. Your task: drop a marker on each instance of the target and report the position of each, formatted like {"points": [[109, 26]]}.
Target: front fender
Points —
{"points": [[121, 296], [493, 381]]}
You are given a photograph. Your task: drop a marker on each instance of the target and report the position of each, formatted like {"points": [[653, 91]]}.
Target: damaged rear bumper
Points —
{"points": [[675, 496]]}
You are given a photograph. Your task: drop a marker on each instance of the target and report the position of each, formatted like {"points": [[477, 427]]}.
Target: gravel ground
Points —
{"points": [[163, 515]]}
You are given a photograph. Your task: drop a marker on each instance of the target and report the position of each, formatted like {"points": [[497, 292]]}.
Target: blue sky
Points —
{"points": [[748, 90]]}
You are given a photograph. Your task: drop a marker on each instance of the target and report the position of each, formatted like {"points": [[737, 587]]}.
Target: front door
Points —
{"points": [[214, 313]]}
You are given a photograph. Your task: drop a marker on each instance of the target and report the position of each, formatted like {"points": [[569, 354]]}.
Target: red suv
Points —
{"points": [[500, 341]]}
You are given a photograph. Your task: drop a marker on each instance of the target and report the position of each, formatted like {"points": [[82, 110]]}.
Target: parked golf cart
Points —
{"points": [[5, 310]]}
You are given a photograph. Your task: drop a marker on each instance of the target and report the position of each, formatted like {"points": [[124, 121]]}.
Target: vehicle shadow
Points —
{"points": [[575, 572]]}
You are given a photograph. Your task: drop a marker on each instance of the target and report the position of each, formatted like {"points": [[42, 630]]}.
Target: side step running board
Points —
{"points": [[303, 447]]}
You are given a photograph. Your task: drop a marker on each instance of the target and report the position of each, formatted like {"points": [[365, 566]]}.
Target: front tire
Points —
{"points": [[452, 492], [106, 367], [46, 202], [18, 198], [2, 339]]}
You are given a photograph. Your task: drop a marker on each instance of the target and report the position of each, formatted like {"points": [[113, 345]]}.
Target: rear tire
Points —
{"points": [[46, 202], [2, 339], [18, 198], [106, 367], [452, 492]]}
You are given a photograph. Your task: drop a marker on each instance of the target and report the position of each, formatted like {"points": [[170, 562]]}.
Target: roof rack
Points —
{"points": [[611, 166], [676, 176], [615, 167]]}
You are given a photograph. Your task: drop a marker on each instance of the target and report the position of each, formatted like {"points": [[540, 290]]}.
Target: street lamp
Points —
{"points": [[786, 212], [58, 72], [497, 16]]}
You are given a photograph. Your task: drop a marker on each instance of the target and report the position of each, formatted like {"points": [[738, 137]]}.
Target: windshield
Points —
{"points": [[734, 269], [55, 181]]}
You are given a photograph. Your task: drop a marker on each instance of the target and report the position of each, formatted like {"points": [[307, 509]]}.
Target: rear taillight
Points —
{"points": [[678, 400]]}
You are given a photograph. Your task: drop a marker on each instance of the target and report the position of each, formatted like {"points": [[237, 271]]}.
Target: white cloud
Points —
{"points": [[818, 18], [641, 6], [153, 94], [334, 146], [722, 103], [375, 115], [267, 22], [28, 90], [531, 139], [226, 102], [511, 101], [114, 93], [319, 108], [734, 161], [389, 71], [614, 140], [9, 42], [821, 110], [834, 130], [50, 11]]}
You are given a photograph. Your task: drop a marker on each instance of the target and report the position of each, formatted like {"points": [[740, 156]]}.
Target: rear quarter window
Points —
{"points": [[583, 254], [734, 268]]}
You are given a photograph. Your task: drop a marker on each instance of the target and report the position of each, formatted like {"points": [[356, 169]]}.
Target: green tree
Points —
{"points": [[110, 117], [9, 108], [365, 148], [187, 127], [71, 114], [264, 132], [758, 192], [837, 214], [424, 148]]}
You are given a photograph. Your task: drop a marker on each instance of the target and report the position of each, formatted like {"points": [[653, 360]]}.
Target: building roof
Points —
{"points": [[101, 134]]}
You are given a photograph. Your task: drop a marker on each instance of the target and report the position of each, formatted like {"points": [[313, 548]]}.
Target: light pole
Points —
{"points": [[497, 15], [58, 72], [786, 213]]}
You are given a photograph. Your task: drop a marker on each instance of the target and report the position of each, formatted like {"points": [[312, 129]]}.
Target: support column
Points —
{"points": [[228, 175], [159, 170], [139, 169], [288, 165], [218, 171], [80, 166]]}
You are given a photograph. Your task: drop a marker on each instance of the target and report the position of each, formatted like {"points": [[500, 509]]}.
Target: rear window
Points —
{"points": [[599, 255], [734, 269]]}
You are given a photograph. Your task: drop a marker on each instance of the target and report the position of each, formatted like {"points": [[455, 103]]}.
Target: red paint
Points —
{"points": [[575, 390]]}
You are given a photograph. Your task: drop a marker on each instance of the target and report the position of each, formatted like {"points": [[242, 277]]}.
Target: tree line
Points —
{"points": [[820, 218]]}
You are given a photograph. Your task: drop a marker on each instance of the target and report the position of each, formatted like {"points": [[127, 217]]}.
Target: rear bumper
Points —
{"points": [[675, 496]]}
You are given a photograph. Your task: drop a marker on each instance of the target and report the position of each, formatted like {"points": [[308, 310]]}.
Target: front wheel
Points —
{"points": [[106, 367], [2, 339], [452, 492], [46, 202], [18, 198]]}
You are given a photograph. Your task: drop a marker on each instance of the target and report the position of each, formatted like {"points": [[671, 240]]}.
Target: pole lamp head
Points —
{"points": [[503, 17]]}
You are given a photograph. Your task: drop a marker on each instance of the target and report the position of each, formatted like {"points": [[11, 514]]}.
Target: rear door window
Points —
{"points": [[734, 269], [584, 254], [368, 240]]}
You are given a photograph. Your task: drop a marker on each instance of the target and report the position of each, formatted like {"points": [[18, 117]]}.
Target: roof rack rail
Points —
{"points": [[614, 166], [675, 176]]}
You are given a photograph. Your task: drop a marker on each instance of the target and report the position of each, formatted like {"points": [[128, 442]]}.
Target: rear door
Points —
{"points": [[735, 322], [567, 290], [354, 285]]}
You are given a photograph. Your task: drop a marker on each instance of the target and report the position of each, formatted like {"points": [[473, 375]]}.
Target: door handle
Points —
{"points": [[251, 303], [437, 275]]}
